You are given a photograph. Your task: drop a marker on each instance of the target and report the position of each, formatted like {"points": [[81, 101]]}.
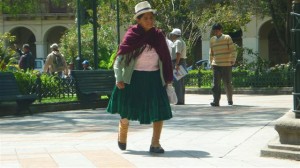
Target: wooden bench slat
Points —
{"points": [[91, 84], [9, 91]]}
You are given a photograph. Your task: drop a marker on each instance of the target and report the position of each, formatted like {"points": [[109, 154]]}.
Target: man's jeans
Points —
{"points": [[179, 86], [223, 73]]}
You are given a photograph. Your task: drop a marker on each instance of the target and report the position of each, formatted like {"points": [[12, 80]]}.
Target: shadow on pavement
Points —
{"points": [[187, 117], [172, 154]]}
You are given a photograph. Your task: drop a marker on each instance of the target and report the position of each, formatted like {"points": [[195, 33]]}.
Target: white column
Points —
{"points": [[250, 43], [205, 44], [40, 49], [205, 49]]}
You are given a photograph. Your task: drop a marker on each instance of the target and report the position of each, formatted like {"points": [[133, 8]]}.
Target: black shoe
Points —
{"points": [[122, 146], [156, 149], [179, 103], [214, 104], [230, 103]]}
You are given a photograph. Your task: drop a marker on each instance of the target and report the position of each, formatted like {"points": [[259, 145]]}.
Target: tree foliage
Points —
{"points": [[193, 17], [278, 10], [7, 53]]}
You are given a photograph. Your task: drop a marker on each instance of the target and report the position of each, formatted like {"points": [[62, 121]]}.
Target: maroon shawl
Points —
{"points": [[136, 37]]}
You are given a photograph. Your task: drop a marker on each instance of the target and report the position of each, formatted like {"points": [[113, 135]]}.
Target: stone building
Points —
{"points": [[39, 30]]}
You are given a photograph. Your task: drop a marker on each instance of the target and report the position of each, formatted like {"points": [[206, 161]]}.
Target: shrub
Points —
{"points": [[278, 76], [7, 53], [106, 44], [26, 81]]}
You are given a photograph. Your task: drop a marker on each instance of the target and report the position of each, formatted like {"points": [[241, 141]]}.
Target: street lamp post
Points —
{"points": [[95, 26], [79, 58], [296, 54], [118, 20]]}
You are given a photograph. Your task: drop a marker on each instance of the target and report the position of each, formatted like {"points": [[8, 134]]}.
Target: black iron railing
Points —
{"points": [[60, 88]]}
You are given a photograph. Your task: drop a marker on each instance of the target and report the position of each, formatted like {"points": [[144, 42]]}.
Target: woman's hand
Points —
{"points": [[120, 85], [177, 67]]}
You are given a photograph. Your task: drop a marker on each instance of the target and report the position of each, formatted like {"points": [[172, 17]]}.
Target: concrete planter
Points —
{"points": [[288, 128]]}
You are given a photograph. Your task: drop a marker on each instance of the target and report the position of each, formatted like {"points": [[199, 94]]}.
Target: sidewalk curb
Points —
{"points": [[75, 105], [10, 109], [266, 91], [284, 151]]}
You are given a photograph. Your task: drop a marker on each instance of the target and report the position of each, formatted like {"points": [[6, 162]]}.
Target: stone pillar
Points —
{"points": [[40, 49], [205, 49], [205, 37]]}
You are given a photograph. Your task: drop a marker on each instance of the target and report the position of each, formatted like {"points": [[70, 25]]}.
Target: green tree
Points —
{"points": [[278, 10], [16, 7], [7, 53], [193, 17], [106, 44]]}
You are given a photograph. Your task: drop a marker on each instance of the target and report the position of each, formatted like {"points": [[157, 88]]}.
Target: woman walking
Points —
{"points": [[142, 69]]}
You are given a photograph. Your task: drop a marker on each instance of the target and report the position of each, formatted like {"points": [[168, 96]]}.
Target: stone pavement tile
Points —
{"points": [[188, 162], [30, 150], [106, 158], [142, 158], [170, 159], [33, 155], [36, 161], [262, 162], [253, 145], [63, 149], [10, 164], [8, 157], [223, 162], [88, 146], [72, 160], [5, 150]]}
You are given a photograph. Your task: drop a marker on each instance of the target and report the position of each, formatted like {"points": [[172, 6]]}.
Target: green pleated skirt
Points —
{"points": [[144, 99]]}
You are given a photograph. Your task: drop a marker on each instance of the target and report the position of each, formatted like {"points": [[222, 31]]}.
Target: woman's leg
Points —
{"points": [[123, 130], [155, 145]]}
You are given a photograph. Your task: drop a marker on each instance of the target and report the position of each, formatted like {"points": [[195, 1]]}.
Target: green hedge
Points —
{"points": [[56, 88], [244, 78]]}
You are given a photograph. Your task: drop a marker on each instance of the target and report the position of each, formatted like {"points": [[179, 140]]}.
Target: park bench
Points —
{"points": [[90, 85], [9, 92]]}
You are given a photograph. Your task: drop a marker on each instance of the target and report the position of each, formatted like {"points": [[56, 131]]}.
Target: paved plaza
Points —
{"points": [[197, 136]]}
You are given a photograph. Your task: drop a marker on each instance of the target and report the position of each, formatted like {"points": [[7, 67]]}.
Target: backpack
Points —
{"points": [[58, 61]]}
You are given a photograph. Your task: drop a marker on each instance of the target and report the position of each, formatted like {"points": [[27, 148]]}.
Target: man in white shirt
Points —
{"points": [[170, 45], [178, 58]]}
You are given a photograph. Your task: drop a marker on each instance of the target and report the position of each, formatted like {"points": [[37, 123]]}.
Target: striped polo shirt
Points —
{"points": [[222, 51]]}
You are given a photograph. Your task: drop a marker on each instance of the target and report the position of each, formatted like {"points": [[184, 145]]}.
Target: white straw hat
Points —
{"points": [[143, 7]]}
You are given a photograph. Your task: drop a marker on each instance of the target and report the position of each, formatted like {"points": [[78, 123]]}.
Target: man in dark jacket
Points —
{"points": [[27, 60]]}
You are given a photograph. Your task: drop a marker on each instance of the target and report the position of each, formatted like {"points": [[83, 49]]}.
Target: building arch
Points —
{"points": [[269, 46], [53, 35], [24, 35]]}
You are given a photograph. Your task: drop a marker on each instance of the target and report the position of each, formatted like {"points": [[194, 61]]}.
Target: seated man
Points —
{"points": [[86, 66]]}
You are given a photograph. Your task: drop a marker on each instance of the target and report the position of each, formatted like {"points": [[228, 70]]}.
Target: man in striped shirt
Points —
{"points": [[222, 57]]}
